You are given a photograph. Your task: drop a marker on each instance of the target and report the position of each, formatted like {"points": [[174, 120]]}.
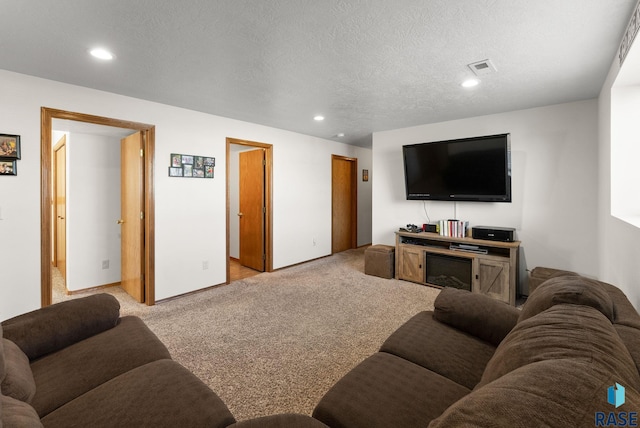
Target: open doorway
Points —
{"points": [[249, 212], [144, 153]]}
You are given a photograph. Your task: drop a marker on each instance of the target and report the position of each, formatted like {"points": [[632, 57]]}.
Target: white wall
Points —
{"points": [[554, 180], [619, 249], [93, 208], [190, 213]]}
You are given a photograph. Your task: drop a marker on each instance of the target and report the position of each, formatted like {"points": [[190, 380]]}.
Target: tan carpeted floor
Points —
{"points": [[278, 341]]}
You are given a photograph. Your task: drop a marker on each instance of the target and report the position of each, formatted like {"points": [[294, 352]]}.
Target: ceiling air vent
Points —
{"points": [[482, 68]]}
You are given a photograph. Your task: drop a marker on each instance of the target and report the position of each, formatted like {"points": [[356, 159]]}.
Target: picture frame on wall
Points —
{"points": [[209, 161], [8, 167], [198, 161], [176, 161], [198, 172], [187, 170], [175, 171], [187, 160], [208, 172], [9, 147]]}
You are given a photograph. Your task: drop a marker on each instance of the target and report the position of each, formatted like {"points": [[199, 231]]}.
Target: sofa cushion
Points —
{"points": [[54, 327], [158, 394], [551, 393], [630, 336], [624, 312], [476, 314], [579, 333], [541, 274], [387, 391], [18, 380], [76, 369], [16, 413], [571, 289], [441, 348]]}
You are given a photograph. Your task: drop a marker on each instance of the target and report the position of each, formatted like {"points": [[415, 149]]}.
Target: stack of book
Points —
{"points": [[453, 228]]}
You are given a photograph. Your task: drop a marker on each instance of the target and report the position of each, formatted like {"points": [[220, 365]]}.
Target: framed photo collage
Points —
{"points": [[9, 154], [191, 166]]}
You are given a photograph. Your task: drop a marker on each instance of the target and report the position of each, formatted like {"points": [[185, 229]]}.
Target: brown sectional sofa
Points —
{"points": [[78, 364], [473, 361]]}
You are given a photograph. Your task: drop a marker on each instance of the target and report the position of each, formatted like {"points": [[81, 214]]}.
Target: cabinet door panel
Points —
{"points": [[493, 279], [412, 264]]}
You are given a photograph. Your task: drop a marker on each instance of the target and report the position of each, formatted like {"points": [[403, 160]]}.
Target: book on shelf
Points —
{"points": [[453, 228]]}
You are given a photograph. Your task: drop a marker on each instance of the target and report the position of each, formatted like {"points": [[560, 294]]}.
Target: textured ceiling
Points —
{"points": [[366, 65]]}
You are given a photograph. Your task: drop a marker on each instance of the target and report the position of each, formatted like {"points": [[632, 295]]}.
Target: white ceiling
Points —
{"points": [[366, 65]]}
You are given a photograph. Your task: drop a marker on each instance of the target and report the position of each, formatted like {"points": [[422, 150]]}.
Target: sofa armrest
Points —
{"points": [[54, 327], [476, 314]]}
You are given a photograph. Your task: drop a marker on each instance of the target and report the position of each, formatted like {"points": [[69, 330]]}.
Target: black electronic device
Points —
{"points": [[489, 233], [467, 169], [411, 228]]}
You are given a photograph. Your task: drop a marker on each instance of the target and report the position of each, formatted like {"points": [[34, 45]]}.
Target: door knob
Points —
{"points": [[120, 221], [240, 214]]}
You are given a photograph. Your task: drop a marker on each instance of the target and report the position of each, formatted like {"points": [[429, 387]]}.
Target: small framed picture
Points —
{"points": [[198, 161], [9, 147], [175, 171], [208, 172], [187, 160], [187, 170], [210, 161], [198, 172], [176, 160], [8, 168]]}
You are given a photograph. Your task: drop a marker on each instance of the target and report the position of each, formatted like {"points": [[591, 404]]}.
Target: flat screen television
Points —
{"points": [[467, 169]]}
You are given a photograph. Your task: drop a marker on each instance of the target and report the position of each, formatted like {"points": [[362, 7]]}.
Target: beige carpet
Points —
{"points": [[278, 341]]}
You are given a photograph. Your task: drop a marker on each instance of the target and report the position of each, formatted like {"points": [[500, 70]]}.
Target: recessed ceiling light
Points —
{"points": [[470, 83], [101, 53], [340, 135], [318, 118]]}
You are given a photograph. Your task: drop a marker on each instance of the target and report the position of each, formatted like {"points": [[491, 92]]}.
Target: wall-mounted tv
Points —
{"points": [[467, 169]]}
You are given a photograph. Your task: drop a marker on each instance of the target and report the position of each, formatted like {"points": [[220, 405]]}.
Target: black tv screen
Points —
{"points": [[468, 169]]}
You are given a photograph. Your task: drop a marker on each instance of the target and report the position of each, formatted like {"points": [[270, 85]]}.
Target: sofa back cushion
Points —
{"points": [[18, 380], [550, 393], [54, 327], [16, 413], [579, 333], [572, 289]]}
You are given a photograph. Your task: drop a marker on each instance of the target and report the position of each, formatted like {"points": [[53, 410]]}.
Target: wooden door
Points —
{"points": [[60, 219], [343, 204], [252, 209], [132, 216]]}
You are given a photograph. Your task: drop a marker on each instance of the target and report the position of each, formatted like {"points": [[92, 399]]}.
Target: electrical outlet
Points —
{"points": [[105, 264], [205, 264]]}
